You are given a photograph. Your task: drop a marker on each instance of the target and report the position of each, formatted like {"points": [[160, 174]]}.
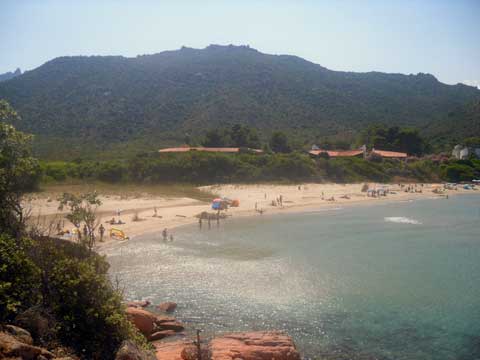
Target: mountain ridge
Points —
{"points": [[156, 99]]}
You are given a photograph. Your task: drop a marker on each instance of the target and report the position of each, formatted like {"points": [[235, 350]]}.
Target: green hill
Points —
{"points": [[77, 105]]}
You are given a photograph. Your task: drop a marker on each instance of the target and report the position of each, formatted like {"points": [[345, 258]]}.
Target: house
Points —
{"points": [[337, 153], [389, 154], [460, 152], [208, 149]]}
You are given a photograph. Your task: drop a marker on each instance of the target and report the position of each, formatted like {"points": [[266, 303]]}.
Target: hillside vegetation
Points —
{"points": [[117, 105]]}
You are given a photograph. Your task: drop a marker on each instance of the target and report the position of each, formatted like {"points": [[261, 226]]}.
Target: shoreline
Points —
{"points": [[174, 212]]}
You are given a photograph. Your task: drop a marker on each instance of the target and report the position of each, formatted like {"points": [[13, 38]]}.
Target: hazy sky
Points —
{"points": [[441, 37]]}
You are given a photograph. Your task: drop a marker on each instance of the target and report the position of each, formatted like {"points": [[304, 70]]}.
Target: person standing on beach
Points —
{"points": [[101, 231], [165, 234], [200, 222]]}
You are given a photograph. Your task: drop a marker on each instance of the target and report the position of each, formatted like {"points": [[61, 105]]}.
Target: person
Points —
{"points": [[155, 211], [200, 222], [281, 200], [101, 231], [209, 223], [256, 205], [165, 234]]}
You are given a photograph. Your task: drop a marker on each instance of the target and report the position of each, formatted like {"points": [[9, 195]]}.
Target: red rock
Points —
{"points": [[12, 348], [254, 346], [163, 319], [167, 306], [170, 350], [142, 319], [171, 325], [159, 335]]}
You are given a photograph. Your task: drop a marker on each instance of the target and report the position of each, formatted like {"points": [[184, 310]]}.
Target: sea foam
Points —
{"points": [[402, 220]]}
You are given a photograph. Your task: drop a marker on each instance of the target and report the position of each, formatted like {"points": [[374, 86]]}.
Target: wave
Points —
{"points": [[402, 220]]}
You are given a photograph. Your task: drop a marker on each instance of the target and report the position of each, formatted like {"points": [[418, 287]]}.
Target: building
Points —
{"points": [[389, 154], [208, 149], [337, 153], [460, 152]]}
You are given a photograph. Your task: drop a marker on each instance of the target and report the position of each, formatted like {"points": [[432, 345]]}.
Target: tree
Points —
{"points": [[279, 142], [82, 210], [19, 172], [214, 138]]}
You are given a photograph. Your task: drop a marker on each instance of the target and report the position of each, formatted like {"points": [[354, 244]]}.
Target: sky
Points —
{"points": [[441, 37]]}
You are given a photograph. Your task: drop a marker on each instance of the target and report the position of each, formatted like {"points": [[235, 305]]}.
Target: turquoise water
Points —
{"points": [[390, 281]]}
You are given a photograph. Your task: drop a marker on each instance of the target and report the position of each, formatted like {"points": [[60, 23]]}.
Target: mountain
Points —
{"points": [[101, 103], [10, 75]]}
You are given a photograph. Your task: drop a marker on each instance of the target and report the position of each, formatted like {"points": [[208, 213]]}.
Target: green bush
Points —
{"points": [[19, 277]]}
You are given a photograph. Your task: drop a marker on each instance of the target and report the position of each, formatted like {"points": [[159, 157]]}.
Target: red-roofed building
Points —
{"points": [[208, 149], [337, 153], [390, 154]]}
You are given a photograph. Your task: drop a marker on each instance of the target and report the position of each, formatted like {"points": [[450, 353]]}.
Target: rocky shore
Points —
{"points": [[161, 329]]}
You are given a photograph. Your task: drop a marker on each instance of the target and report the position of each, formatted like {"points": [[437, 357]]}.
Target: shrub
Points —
{"points": [[19, 277]]}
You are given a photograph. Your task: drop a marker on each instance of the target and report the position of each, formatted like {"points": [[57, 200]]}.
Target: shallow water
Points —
{"points": [[390, 281]]}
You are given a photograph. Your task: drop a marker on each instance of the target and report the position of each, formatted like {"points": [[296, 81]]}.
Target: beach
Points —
{"points": [[254, 200]]}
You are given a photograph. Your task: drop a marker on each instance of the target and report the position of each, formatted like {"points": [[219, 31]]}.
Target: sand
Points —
{"points": [[176, 211]]}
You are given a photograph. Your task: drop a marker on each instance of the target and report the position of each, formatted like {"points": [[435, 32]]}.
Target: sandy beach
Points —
{"points": [[176, 211]]}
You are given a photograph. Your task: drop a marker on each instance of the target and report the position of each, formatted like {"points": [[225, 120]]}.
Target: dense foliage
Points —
{"points": [[87, 105], [395, 139], [66, 280], [207, 168], [19, 171]]}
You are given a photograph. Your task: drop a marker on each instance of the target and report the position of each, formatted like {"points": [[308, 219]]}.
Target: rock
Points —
{"points": [[142, 319], [138, 304], [170, 350], [130, 351], [190, 352], [11, 347], [167, 306], [38, 322], [159, 335], [254, 346], [171, 325], [163, 319], [20, 334]]}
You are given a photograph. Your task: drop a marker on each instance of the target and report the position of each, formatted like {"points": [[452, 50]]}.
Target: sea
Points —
{"points": [[383, 281]]}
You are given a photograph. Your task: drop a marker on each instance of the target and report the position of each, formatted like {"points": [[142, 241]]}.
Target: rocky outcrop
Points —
{"points": [[130, 351], [152, 326], [143, 320], [39, 323], [168, 306], [254, 346], [162, 334], [12, 348], [171, 350], [20, 334]]}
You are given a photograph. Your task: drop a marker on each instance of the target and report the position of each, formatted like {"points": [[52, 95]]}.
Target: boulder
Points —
{"points": [[11, 347], [143, 320], [254, 346], [170, 350], [38, 322], [159, 335], [20, 334], [167, 306], [171, 325], [130, 351]]}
